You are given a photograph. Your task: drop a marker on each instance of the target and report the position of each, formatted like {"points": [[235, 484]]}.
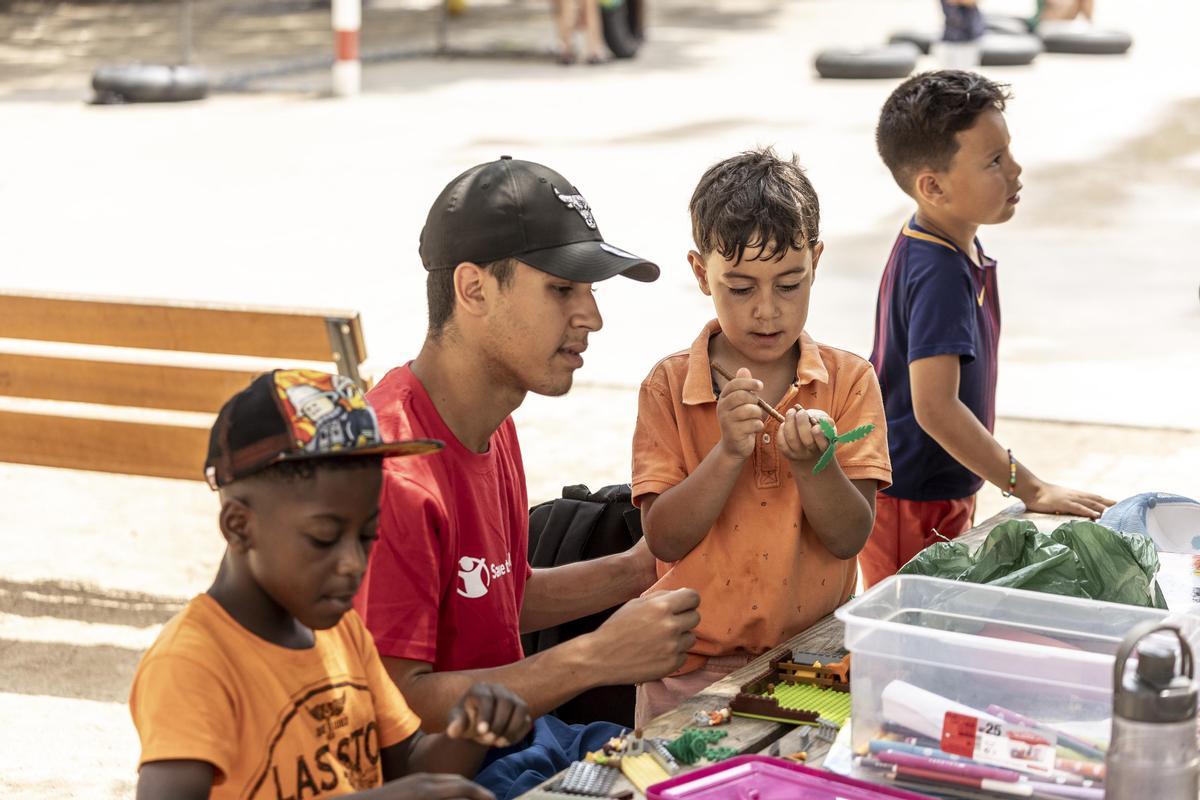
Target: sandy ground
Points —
{"points": [[277, 195]]}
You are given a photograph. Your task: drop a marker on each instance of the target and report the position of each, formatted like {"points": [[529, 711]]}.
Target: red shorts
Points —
{"points": [[904, 528]]}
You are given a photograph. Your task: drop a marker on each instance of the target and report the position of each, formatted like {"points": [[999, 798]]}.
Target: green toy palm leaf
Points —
{"points": [[856, 434], [834, 440], [825, 458]]}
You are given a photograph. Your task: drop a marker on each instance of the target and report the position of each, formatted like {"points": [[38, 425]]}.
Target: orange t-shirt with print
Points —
{"points": [[761, 571], [274, 722]]}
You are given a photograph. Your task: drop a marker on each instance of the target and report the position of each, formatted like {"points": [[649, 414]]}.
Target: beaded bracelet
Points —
{"points": [[1012, 475]]}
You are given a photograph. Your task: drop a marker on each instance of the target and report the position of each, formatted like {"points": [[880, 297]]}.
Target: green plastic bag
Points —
{"points": [[1078, 559]]}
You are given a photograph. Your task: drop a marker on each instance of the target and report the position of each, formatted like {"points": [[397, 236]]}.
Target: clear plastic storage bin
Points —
{"points": [[1043, 656]]}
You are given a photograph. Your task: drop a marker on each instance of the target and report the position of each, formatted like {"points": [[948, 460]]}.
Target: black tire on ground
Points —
{"points": [[1085, 42], [1009, 50], [923, 41], [637, 18], [893, 61], [149, 83], [624, 27], [999, 23]]}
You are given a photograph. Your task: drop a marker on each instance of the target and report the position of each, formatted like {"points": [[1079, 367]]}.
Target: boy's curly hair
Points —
{"points": [[754, 200], [920, 120]]}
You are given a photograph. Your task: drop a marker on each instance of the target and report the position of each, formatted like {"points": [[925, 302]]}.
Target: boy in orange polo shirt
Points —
{"points": [[730, 503]]}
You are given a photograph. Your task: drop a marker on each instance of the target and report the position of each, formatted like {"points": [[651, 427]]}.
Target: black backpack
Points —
{"points": [[579, 526]]}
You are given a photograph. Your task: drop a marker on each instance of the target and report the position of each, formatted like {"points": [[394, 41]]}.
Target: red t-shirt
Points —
{"points": [[447, 577]]}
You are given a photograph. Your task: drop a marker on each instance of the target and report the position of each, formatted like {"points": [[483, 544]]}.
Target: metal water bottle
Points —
{"points": [[1153, 752]]}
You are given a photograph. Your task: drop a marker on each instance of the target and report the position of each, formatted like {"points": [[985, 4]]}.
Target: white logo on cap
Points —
{"points": [[576, 202], [616, 251]]}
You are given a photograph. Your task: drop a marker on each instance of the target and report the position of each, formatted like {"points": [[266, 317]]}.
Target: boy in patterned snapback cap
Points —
{"points": [[268, 684]]}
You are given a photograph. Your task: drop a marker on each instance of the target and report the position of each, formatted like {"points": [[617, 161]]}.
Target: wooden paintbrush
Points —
{"points": [[763, 404]]}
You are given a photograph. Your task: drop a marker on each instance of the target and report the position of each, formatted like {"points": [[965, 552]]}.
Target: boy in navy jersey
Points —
{"points": [[937, 322]]}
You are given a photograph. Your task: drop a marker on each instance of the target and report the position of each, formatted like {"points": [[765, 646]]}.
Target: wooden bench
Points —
{"points": [[131, 422]]}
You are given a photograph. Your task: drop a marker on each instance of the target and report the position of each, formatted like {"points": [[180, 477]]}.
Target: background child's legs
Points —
{"points": [[880, 556], [572, 15], [959, 55], [1068, 10], [904, 528], [593, 28], [655, 698], [565, 16], [962, 39]]}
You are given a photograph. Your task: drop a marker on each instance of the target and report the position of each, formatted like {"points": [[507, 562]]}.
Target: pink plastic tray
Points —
{"points": [[766, 778]]}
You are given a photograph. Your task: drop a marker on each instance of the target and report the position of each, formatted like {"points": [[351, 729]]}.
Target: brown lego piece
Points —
{"points": [[828, 675], [757, 705]]}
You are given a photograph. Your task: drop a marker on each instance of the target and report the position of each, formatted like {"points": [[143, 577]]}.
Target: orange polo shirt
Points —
{"points": [[762, 573]]}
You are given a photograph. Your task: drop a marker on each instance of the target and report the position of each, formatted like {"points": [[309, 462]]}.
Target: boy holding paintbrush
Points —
{"points": [[742, 495]]}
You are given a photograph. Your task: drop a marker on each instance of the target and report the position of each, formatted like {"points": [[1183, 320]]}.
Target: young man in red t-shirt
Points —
{"points": [[512, 249]]}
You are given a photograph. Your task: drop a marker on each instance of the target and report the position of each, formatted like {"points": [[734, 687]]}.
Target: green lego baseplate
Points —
{"points": [[826, 703], [809, 690]]}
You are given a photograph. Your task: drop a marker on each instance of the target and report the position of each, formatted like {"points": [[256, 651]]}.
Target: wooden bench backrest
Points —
{"points": [[90, 441]]}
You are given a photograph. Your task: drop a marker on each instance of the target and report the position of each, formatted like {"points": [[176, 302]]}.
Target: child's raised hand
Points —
{"points": [[491, 715], [738, 414], [800, 438]]}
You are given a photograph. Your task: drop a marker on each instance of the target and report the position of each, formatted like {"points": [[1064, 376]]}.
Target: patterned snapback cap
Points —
{"points": [[292, 415]]}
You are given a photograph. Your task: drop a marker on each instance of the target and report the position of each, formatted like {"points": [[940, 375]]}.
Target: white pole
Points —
{"points": [[347, 69], [185, 31]]}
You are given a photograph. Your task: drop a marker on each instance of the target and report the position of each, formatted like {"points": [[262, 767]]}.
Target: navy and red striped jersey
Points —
{"points": [[934, 301]]}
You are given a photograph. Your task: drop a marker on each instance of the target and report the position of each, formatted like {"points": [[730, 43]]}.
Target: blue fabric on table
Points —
{"points": [[549, 748]]}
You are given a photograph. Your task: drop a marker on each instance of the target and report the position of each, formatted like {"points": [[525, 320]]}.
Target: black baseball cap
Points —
{"points": [[518, 209], [293, 415]]}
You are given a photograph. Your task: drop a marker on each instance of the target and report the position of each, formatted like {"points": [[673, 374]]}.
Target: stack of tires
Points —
{"points": [[896, 60], [149, 83], [1012, 49], [1064, 37], [1084, 41], [1009, 42]]}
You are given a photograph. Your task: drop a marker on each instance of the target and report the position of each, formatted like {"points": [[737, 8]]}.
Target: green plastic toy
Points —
{"points": [[697, 743], [834, 440]]}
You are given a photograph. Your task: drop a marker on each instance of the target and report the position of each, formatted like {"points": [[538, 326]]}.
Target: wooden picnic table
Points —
{"points": [[757, 736]]}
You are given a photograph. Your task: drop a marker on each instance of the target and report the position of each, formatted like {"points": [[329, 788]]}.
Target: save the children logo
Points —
{"points": [[576, 202], [475, 576]]}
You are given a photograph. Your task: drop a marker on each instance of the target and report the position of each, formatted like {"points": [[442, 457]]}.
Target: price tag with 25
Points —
{"points": [[1000, 744]]}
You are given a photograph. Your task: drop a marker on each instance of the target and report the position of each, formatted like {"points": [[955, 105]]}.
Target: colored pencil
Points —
{"points": [[880, 745], [1087, 769], [1060, 778], [1071, 792], [1032, 788], [1065, 739], [927, 789], [957, 768], [983, 784], [763, 404]]}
